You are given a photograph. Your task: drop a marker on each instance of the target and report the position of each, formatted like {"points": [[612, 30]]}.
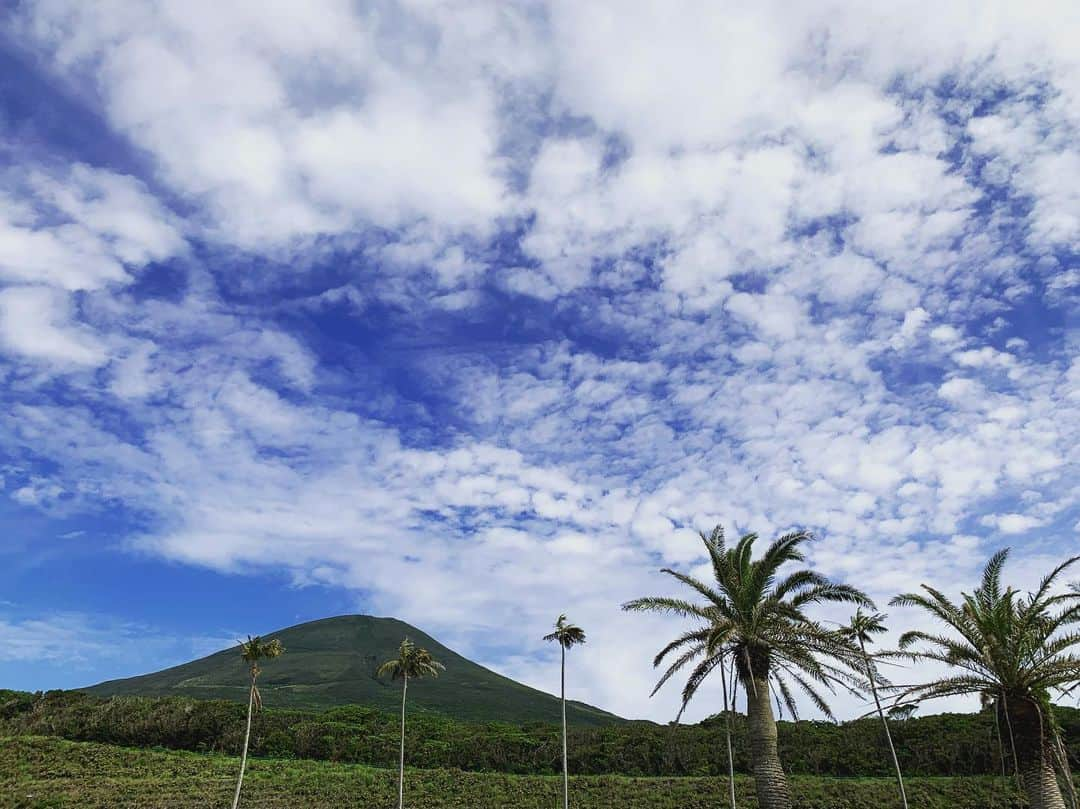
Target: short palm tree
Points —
{"points": [[1013, 651], [413, 663], [253, 650], [861, 629], [566, 635], [755, 618]]}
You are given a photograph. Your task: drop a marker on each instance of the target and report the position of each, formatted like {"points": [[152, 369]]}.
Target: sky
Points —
{"points": [[473, 313]]}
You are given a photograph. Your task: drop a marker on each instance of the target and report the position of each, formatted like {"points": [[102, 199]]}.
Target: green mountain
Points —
{"points": [[332, 662]]}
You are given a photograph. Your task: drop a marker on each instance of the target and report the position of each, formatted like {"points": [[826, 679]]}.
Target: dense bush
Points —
{"points": [[947, 744]]}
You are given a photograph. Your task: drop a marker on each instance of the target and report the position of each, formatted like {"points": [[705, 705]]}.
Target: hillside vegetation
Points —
{"points": [[45, 773], [332, 662], [946, 744]]}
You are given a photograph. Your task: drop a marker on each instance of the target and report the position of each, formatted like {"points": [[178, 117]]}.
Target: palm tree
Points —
{"points": [[566, 635], [252, 651], [862, 628], [723, 659], [1013, 651], [755, 619], [411, 662]]}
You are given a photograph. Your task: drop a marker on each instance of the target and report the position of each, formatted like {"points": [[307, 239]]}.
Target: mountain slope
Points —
{"points": [[332, 662]]}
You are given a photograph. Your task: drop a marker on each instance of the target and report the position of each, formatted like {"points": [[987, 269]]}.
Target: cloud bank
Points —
{"points": [[482, 310]]}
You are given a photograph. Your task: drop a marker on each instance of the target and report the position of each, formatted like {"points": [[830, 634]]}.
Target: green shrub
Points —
{"points": [[948, 744]]}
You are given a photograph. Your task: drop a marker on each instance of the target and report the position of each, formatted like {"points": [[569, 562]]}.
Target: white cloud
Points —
{"points": [[62, 232], [1012, 523], [35, 323], [80, 230], [960, 390], [945, 334], [290, 125], [762, 247], [914, 320], [774, 316]]}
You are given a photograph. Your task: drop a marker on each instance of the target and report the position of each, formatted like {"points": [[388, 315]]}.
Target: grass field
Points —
{"points": [[39, 772]]}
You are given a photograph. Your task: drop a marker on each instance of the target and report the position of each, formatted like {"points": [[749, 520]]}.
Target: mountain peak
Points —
{"points": [[332, 661]]}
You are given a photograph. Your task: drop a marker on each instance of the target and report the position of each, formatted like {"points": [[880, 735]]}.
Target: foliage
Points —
{"points": [[754, 619], [412, 662], [566, 634], [946, 744], [255, 649], [864, 625], [41, 773], [1005, 645], [1011, 650]]}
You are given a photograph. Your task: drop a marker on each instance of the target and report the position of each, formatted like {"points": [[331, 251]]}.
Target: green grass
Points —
{"points": [[40, 773], [332, 662]]}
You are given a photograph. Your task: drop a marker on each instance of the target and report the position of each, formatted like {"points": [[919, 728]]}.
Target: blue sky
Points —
{"points": [[475, 313]]}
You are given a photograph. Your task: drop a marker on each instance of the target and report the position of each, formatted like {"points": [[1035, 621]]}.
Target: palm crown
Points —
{"points": [[255, 649], [864, 625], [1013, 651], [412, 662], [566, 634], [755, 618], [1008, 645]]}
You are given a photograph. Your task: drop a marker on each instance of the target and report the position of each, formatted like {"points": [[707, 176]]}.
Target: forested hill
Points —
{"points": [[332, 662]]}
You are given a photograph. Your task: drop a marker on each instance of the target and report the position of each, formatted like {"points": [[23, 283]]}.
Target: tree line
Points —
{"points": [[936, 745]]}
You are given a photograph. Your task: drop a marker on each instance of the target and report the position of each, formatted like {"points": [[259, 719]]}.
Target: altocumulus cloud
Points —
{"points": [[509, 300]]}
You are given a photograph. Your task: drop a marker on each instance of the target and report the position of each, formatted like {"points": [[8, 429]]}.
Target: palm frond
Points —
{"points": [[412, 663], [677, 666], [566, 634], [1004, 644], [678, 606], [700, 636]]}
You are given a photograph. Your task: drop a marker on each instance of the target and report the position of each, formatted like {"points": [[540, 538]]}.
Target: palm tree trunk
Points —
{"points": [[401, 762], [885, 723], [565, 771], [1032, 753], [770, 782], [1041, 786], [247, 738]]}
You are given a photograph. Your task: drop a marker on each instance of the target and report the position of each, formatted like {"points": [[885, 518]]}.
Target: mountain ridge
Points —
{"points": [[331, 661]]}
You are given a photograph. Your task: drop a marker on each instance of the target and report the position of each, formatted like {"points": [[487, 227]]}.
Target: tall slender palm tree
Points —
{"points": [[862, 628], [1013, 651], [567, 636], [414, 663], [253, 650], [724, 659], [756, 619]]}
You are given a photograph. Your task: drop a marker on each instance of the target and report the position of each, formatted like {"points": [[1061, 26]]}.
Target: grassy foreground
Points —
{"points": [[39, 772]]}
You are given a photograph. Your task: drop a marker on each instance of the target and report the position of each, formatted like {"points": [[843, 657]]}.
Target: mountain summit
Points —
{"points": [[332, 662]]}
